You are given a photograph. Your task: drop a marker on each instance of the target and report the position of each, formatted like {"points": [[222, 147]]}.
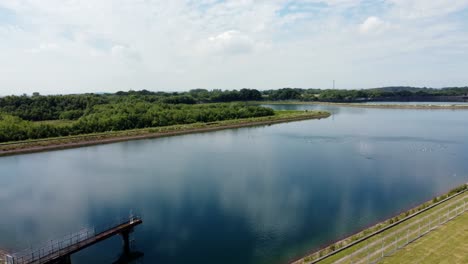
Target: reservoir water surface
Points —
{"points": [[251, 195]]}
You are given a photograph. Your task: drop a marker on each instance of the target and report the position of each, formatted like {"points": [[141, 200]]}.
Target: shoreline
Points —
{"points": [[41, 145], [427, 106], [374, 229]]}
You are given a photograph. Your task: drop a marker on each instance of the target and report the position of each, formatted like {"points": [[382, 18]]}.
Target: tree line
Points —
{"points": [[389, 93], [73, 107], [88, 113], [126, 115]]}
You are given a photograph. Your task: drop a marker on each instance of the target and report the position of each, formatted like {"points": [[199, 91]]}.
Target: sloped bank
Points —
{"points": [[31, 146], [348, 245]]}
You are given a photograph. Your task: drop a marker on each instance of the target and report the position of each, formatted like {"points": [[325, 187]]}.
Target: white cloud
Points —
{"points": [[177, 45], [231, 42], [44, 47], [372, 25], [124, 52], [414, 9]]}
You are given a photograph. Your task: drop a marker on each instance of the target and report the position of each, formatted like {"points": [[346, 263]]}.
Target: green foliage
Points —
{"points": [[119, 111], [194, 96], [179, 99], [13, 128], [71, 114], [72, 107], [126, 115], [37, 108], [458, 189], [285, 94], [141, 109], [389, 93]]}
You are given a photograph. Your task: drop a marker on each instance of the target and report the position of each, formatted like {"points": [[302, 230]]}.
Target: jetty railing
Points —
{"points": [[62, 246], [51, 247]]}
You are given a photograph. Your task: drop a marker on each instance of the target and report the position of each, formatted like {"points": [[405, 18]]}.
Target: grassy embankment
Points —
{"points": [[351, 244], [451, 105], [446, 244], [28, 146]]}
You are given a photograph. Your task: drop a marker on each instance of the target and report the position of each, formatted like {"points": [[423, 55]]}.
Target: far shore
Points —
{"points": [[379, 105], [32, 146]]}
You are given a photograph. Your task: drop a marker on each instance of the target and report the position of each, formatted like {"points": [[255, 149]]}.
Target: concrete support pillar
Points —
{"points": [[65, 260], [126, 241]]}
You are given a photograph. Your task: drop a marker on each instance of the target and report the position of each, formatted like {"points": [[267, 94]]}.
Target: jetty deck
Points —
{"points": [[61, 250]]}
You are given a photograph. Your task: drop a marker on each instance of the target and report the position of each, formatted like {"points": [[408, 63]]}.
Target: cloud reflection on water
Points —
{"points": [[255, 195]]}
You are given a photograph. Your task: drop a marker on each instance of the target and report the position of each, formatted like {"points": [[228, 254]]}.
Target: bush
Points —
{"points": [[123, 116]]}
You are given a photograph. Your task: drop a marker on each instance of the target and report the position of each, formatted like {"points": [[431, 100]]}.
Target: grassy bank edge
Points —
{"points": [[448, 243], [428, 106], [359, 237], [31, 146]]}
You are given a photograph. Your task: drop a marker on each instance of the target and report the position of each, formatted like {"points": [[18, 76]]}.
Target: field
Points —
{"points": [[446, 244], [388, 238]]}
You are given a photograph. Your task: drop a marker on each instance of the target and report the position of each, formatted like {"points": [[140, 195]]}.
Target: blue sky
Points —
{"points": [[56, 46]]}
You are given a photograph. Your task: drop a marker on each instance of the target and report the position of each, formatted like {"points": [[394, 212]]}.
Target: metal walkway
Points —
{"points": [[60, 251]]}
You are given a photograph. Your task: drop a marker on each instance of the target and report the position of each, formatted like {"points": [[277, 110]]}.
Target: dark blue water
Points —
{"points": [[250, 195]]}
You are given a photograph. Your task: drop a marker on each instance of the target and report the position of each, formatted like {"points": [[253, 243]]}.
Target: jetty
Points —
{"points": [[60, 251]]}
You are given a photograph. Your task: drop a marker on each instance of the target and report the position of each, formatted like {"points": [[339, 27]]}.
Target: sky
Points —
{"points": [[76, 46]]}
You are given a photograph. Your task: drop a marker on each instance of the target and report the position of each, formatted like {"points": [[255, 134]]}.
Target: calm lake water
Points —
{"points": [[250, 195]]}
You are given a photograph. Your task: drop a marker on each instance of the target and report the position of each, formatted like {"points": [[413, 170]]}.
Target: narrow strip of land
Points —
{"points": [[389, 236], [30, 146], [446, 244], [427, 106]]}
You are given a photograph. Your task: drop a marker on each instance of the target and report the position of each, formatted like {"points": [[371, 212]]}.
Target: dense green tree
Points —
{"points": [[126, 115], [285, 94], [19, 115]]}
